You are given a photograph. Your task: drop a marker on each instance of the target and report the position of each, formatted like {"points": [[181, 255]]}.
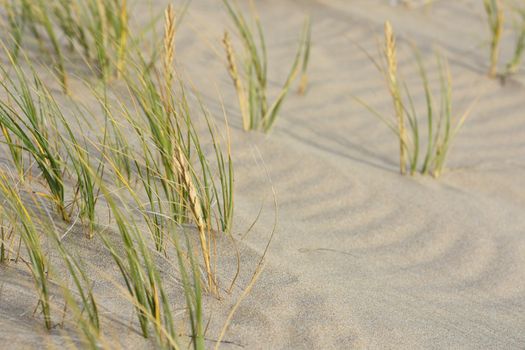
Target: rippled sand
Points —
{"points": [[364, 258]]}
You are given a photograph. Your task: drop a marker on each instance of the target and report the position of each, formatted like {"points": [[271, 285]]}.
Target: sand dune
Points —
{"points": [[364, 258], [383, 261]]}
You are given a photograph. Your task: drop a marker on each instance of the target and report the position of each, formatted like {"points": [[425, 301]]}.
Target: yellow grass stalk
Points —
{"points": [[182, 167], [234, 74], [395, 92], [169, 56], [180, 163], [169, 43]]}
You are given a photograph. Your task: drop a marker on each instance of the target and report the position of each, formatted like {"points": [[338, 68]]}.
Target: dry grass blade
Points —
{"points": [[495, 18]]}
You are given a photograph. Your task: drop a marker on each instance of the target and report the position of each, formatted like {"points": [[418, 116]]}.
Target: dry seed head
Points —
{"points": [[232, 66], [234, 74], [390, 52], [182, 168], [169, 42]]}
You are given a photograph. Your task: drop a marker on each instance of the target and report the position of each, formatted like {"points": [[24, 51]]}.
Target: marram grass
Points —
{"points": [[178, 176], [441, 124], [37, 259], [184, 168], [138, 268], [137, 265], [27, 117], [250, 79], [96, 29], [496, 12]]}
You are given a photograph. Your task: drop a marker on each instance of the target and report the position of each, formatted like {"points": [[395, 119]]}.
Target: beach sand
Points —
{"points": [[362, 257]]}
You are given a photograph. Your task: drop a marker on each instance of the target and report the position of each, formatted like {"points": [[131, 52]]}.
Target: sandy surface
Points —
{"points": [[364, 258]]}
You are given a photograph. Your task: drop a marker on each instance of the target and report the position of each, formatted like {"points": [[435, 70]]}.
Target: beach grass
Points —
{"points": [[37, 260], [498, 13], [176, 171], [251, 79], [97, 30], [421, 152], [137, 265], [27, 117], [199, 189]]}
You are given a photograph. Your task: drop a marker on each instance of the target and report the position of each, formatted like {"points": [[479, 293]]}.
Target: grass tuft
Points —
{"points": [[442, 125], [251, 83], [37, 260], [28, 116], [97, 29]]}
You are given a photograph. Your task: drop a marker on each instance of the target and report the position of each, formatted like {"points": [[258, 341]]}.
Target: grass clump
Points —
{"points": [[251, 80], [38, 17], [495, 11], [179, 177], [36, 130], [441, 125], [140, 275], [29, 222], [37, 260], [138, 266], [97, 29], [26, 118], [180, 172]]}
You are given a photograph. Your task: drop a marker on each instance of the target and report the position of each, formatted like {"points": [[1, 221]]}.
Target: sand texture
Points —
{"points": [[362, 257]]}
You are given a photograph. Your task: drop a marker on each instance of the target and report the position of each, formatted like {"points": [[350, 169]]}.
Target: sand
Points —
{"points": [[362, 257]]}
